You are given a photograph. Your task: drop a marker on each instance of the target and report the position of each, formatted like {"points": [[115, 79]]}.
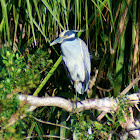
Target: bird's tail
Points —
{"points": [[81, 87]]}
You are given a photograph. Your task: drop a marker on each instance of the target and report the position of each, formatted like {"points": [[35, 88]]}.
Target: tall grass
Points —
{"points": [[111, 31]]}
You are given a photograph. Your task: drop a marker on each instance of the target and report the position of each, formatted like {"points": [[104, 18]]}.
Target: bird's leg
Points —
{"points": [[77, 113], [75, 83]]}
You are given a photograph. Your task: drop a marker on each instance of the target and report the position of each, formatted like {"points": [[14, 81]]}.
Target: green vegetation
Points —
{"points": [[28, 65]]}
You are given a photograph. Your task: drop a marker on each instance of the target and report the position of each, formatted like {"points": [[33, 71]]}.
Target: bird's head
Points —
{"points": [[67, 35]]}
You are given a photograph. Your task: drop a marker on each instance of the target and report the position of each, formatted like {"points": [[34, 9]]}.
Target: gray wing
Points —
{"points": [[87, 66]]}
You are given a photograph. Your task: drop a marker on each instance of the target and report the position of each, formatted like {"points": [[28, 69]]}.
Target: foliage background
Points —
{"points": [[111, 31]]}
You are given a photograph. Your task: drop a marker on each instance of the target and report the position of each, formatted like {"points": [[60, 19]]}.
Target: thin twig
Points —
{"points": [[130, 86], [46, 136], [52, 124]]}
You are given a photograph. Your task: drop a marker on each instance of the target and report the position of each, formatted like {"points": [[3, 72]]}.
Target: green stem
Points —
{"points": [[48, 76]]}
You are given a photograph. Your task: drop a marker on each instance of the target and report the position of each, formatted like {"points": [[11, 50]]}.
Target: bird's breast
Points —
{"points": [[70, 49]]}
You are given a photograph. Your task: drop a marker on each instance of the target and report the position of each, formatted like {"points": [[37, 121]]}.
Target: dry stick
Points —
{"points": [[130, 86]]}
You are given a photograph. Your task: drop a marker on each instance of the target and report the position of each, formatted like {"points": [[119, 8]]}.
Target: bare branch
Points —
{"points": [[104, 104]]}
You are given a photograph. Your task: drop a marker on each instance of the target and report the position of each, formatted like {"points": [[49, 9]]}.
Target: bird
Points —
{"points": [[76, 59]]}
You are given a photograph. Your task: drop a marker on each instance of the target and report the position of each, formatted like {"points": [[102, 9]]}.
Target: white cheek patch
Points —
{"points": [[71, 36]]}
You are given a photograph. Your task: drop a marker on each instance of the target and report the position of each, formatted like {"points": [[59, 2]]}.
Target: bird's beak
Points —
{"points": [[58, 40]]}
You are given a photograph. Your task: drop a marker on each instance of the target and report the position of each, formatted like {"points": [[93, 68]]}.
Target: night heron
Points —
{"points": [[76, 59]]}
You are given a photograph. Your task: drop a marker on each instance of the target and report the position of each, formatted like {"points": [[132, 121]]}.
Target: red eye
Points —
{"points": [[66, 36]]}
